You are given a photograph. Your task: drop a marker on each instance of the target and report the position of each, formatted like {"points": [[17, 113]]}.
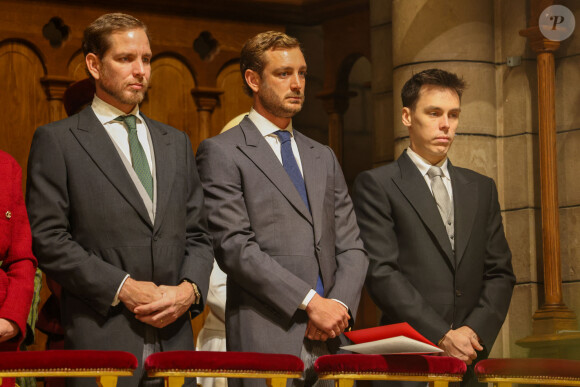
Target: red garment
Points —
{"points": [[18, 264]]}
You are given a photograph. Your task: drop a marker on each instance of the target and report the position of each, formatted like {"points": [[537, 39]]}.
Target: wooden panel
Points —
{"points": [[23, 101], [233, 101], [169, 98]]}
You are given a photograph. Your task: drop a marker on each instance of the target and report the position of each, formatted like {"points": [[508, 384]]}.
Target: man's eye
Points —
{"points": [[283, 74]]}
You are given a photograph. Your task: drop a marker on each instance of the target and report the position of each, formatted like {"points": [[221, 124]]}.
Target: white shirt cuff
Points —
{"points": [[307, 299], [116, 300], [340, 302]]}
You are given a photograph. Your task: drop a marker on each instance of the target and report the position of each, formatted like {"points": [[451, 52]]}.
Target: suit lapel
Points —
{"points": [[314, 178], [465, 200], [261, 154], [164, 166], [414, 188], [92, 136]]}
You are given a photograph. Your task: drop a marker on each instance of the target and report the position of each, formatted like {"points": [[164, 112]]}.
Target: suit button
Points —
{"points": [[458, 293], [155, 238]]}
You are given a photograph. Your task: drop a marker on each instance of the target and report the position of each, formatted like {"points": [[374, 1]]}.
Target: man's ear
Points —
{"points": [[253, 80], [93, 65], [406, 117]]}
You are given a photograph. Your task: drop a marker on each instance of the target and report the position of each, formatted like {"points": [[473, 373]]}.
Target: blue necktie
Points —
{"points": [[291, 167]]}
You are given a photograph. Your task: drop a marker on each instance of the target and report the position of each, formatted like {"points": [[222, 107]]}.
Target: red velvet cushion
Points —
{"points": [[523, 368], [392, 364], [44, 360], [215, 361]]}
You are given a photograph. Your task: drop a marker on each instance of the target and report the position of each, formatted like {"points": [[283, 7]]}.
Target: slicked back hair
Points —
{"points": [[433, 77], [97, 36], [252, 56]]}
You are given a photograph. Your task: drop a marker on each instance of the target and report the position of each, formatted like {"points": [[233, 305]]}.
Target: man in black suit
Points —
{"points": [[438, 255], [116, 209]]}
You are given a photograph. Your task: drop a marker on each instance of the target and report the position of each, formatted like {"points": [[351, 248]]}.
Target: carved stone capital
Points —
{"points": [[55, 86], [206, 98]]}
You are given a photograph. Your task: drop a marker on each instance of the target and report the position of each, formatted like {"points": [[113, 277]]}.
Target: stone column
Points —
{"points": [[54, 87], [206, 99], [554, 316], [460, 41]]}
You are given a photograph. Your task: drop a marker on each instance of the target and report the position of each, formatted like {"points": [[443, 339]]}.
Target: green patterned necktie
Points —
{"points": [[138, 158]]}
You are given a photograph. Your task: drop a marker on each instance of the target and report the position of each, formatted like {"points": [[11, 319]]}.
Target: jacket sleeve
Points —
{"points": [[198, 260], [488, 316], [77, 269], [18, 262]]}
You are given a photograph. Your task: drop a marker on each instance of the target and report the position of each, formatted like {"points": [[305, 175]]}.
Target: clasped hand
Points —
{"points": [[461, 343], [155, 305], [8, 330], [326, 318]]}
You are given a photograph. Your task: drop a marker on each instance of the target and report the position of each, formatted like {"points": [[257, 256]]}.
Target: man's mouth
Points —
{"points": [[295, 98]]}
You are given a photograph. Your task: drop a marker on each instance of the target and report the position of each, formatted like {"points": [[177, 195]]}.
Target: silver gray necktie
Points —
{"points": [[443, 201], [440, 192]]}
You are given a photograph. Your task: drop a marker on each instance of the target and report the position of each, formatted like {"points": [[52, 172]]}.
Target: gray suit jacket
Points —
{"points": [[90, 228], [267, 241], [414, 275]]}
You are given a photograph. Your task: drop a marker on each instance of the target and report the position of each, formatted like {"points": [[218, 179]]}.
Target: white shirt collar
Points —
{"points": [[265, 126], [107, 113], [423, 165]]}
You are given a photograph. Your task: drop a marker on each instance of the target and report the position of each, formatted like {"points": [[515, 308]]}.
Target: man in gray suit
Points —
{"points": [[116, 209], [438, 255], [282, 220]]}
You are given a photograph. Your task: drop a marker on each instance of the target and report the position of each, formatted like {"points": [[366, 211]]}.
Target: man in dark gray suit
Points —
{"points": [[116, 209], [282, 220], [438, 255]]}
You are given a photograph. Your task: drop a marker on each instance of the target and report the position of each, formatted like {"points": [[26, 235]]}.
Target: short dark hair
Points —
{"points": [[434, 77], [96, 36], [252, 55]]}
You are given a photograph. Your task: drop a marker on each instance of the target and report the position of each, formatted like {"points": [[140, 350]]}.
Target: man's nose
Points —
{"points": [[297, 82], [138, 68], [444, 122]]}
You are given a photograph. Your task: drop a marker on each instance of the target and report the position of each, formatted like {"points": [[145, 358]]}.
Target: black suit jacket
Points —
{"points": [[90, 228], [414, 275]]}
